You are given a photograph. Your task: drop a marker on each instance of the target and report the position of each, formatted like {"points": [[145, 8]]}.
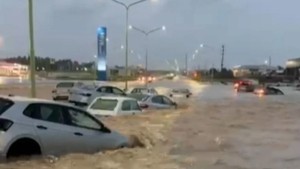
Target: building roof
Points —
{"points": [[255, 67], [293, 63]]}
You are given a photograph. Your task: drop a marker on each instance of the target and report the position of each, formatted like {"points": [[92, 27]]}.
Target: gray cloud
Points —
{"points": [[252, 30]]}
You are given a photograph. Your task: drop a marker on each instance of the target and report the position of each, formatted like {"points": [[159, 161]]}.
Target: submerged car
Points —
{"points": [[149, 79], [268, 91], [157, 102], [180, 93], [43, 127], [85, 95], [140, 92], [62, 90], [244, 86], [114, 106]]}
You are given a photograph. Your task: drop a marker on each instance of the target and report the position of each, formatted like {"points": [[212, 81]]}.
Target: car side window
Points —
{"points": [[157, 99], [104, 90], [45, 112], [117, 91], [81, 119], [126, 105], [134, 105], [167, 101], [134, 91]]}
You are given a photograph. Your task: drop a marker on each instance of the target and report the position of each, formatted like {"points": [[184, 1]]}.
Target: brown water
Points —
{"points": [[260, 134]]}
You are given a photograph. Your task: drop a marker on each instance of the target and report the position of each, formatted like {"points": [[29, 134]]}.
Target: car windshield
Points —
{"points": [[65, 85], [5, 104], [104, 104]]}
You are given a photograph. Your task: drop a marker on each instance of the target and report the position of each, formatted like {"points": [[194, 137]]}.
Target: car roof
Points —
{"points": [[22, 99], [119, 98]]}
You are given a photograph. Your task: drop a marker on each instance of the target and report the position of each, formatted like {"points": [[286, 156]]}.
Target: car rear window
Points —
{"points": [[105, 104], [65, 85], [5, 104]]}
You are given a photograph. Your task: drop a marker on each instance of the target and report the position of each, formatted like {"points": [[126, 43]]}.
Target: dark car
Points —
{"points": [[244, 86], [268, 90]]}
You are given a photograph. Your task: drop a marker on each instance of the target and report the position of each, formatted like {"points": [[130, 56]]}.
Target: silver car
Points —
{"points": [[140, 92], [157, 102], [180, 93], [62, 90], [86, 94], [34, 126]]}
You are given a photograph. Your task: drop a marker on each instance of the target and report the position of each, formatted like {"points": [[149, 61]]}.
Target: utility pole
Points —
{"points": [[186, 64], [222, 59], [270, 61], [32, 52]]}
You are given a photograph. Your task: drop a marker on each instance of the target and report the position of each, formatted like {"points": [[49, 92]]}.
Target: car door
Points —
{"points": [[168, 102], [91, 136], [130, 107], [49, 122]]}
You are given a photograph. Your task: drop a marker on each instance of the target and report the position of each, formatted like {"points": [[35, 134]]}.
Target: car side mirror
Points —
{"points": [[105, 129]]}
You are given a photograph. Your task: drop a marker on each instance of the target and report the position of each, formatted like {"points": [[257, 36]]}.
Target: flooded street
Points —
{"points": [[227, 131], [215, 129]]}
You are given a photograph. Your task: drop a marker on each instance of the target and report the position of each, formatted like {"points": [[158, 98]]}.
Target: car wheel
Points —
{"points": [[187, 96]]}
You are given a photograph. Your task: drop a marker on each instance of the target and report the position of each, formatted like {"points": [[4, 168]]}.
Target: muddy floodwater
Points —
{"points": [[215, 129]]}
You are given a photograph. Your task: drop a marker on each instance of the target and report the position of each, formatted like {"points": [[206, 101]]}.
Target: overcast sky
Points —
{"points": [[252, 30]]}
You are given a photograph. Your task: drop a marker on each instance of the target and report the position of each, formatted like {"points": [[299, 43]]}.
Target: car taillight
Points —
{"points": [[261, 91], [236, 85], [5, 124], [144, 106]]}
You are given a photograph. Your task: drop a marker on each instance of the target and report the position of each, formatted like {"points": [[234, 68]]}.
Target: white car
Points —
{"points": [[142, 90], [86, 94], [180, 93], [43, 127], [157, 102], [62, 90], [114, 106]]}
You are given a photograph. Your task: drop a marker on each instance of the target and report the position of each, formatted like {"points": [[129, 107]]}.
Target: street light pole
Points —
{"points": [[32, 52], [147, 40], [127, 7]]}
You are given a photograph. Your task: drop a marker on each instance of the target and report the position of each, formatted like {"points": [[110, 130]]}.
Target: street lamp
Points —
{"points": [[147, 33], [127, 7], [32, 53]]}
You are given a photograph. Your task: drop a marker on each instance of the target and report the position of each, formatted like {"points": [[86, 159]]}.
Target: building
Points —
{"points": [[252, 70], [120, 71], [13, 69], [293, 67]]}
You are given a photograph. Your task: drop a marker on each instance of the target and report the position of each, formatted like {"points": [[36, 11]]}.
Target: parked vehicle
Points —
{"points": [[142, 90], [268, 91], [140, 93], [85, 95], [42, 127], [62, 90], [114, 106], [150, 79], [157, 102], [180, 93]]}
